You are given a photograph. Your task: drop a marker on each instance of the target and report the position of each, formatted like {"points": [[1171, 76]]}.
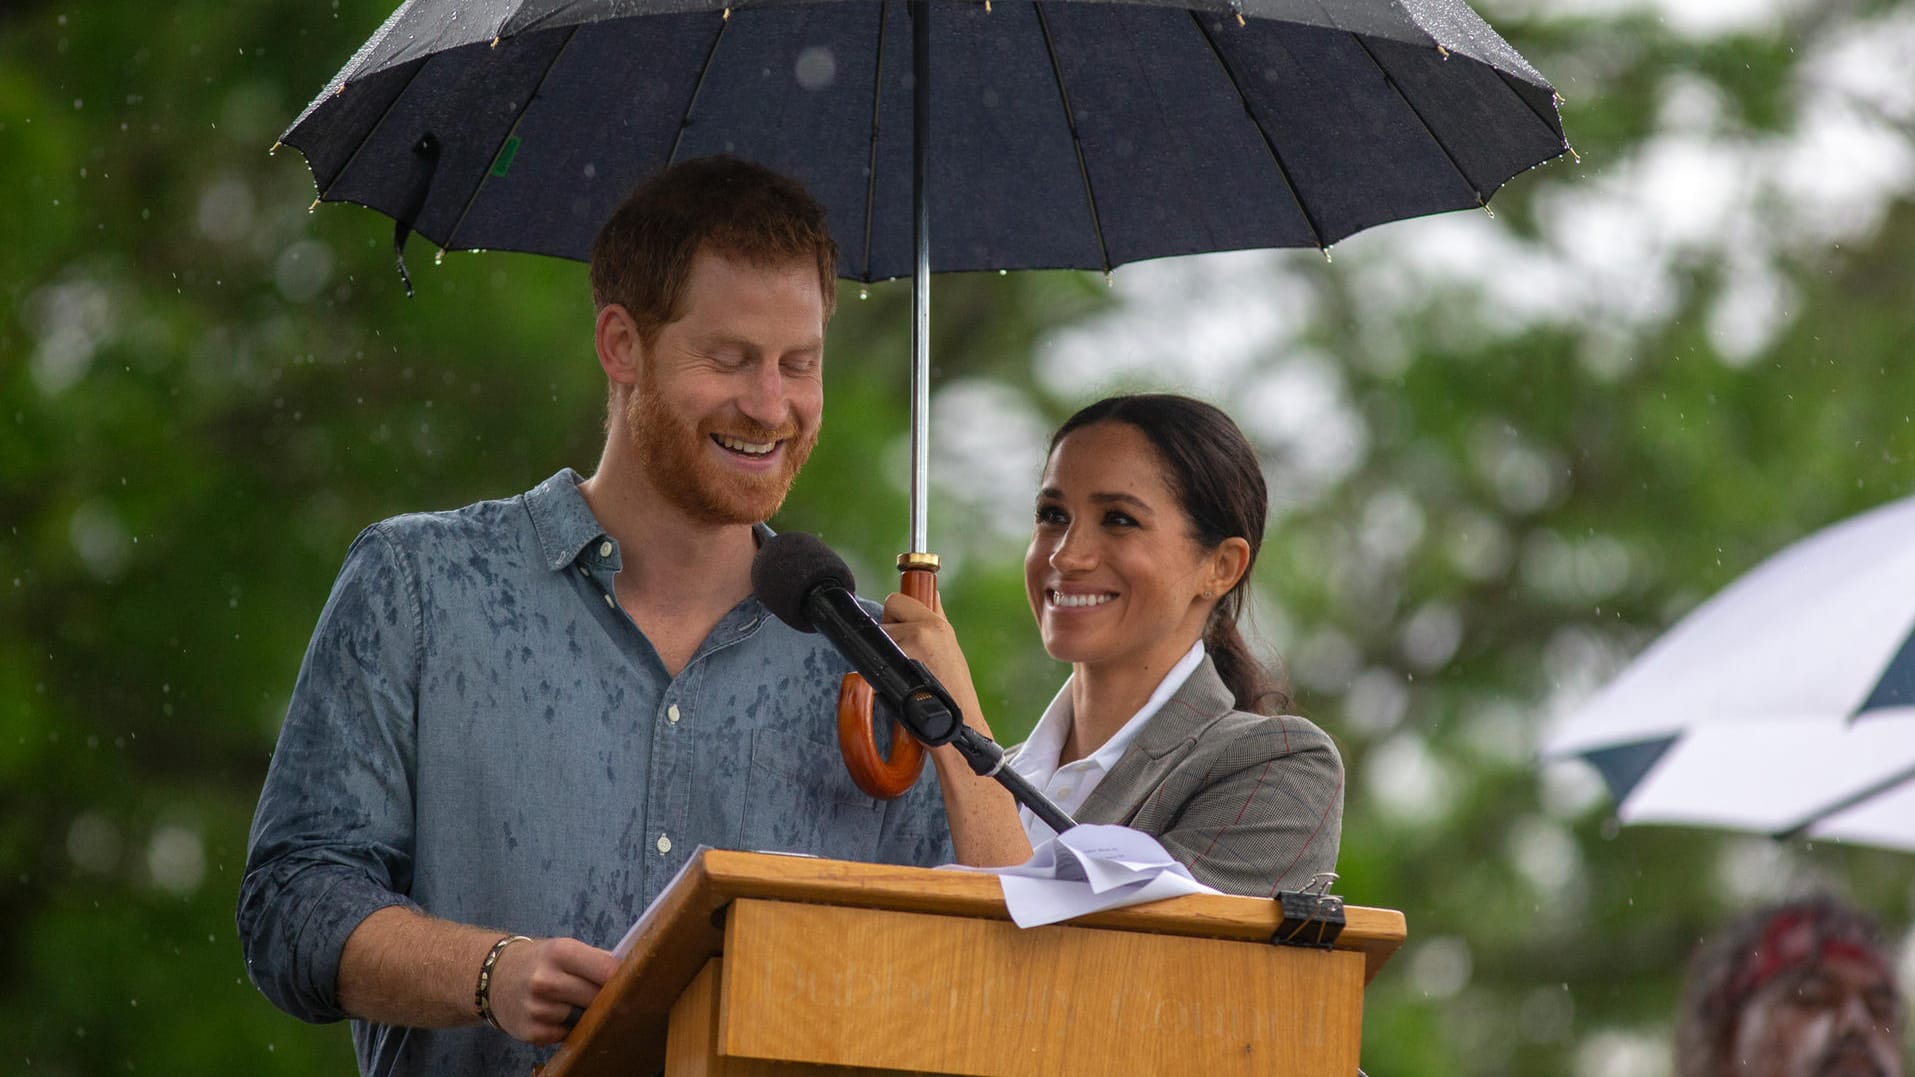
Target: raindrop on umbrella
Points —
{"points": [[816, 67]]}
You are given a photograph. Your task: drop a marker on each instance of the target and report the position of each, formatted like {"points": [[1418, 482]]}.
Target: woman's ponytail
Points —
{"points": [[1249, 682]]}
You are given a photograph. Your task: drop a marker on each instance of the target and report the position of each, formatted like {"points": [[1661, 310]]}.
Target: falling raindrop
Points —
{"points": [[303, 270], [226, 210], [1441, 967], [176, 859], [93, 843], [100, 540], [816, 68]]}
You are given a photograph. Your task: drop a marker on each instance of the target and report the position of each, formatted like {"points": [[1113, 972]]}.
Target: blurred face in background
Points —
{"points": [[1839, 1016]]}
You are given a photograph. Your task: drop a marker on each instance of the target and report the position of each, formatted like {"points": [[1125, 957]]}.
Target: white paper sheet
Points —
{"points": [[645, 918], [1089, 868]]}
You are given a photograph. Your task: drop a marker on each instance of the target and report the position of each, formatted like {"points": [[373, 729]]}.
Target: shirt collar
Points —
{"points": [[1106, 756], [563, 521], [1037, 756], [565, 524], [1046, 742]]}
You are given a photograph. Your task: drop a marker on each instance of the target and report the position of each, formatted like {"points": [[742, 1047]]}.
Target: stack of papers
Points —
{"points": [[1089, 868]]}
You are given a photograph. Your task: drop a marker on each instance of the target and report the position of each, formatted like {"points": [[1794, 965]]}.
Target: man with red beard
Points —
{"points": [[1801, 989], [518, 719]]}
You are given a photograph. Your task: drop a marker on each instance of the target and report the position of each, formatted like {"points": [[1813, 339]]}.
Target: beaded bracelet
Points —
{"points": [[482, 994]]}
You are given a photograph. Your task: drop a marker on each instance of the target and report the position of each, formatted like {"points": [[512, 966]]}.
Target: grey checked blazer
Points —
{"points": [[1251, 804]]}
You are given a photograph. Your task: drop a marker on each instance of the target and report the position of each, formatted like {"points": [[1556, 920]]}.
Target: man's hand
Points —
{"points": [[401, 967], [536, 984]]}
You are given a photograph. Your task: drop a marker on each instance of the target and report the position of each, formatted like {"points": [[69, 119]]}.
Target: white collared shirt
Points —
{"points": [[1070, 785]]}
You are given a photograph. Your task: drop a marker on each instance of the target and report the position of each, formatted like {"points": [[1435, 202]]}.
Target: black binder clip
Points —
{"points": [[1312, 916]]}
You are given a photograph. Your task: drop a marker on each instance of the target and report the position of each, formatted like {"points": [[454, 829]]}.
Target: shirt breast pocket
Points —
{"points": [[799, 799]]}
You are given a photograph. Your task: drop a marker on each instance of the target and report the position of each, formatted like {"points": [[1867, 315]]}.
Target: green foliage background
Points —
{"points": [[207, 391]]}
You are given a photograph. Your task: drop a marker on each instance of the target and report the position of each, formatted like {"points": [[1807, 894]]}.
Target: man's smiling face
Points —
{"points": [[732, 392]]}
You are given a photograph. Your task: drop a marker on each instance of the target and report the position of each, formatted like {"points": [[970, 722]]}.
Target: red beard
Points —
{"points": [[676, 458]]}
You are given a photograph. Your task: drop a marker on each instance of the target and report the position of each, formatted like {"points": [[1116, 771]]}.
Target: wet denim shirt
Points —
{"points": [[479, 732]]}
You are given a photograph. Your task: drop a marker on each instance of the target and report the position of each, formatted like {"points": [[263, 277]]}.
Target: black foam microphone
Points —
{"points": [[807, 586]]}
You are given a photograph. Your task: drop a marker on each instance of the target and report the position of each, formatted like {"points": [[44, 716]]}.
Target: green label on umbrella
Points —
{"points": [[503, 161]]}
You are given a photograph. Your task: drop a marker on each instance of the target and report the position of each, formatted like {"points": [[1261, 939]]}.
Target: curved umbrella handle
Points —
{"points": [[885, 779]]}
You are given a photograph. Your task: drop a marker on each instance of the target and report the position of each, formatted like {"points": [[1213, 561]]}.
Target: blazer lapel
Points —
{"points": [[1168, 738]]}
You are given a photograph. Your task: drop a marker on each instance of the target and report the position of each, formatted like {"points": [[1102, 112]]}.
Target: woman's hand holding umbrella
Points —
{"points": [[985, 830]]}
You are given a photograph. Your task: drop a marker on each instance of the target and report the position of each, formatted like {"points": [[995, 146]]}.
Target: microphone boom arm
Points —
{"points": [[986, 757]]}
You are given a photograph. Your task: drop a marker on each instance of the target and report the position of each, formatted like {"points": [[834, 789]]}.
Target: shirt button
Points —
{"points": [[1064, 792], [610, 602], [605, 549], [664, 844], [671, 714], [583, 571]]}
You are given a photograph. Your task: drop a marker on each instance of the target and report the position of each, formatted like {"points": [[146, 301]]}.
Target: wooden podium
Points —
{"points": [[762, 965]]}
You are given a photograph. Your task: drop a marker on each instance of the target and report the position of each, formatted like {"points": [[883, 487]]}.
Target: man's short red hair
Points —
{"points": [[644, 253]]}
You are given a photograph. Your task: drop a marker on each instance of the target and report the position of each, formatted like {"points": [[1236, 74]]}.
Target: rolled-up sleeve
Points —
{"points": [[332, 840]]}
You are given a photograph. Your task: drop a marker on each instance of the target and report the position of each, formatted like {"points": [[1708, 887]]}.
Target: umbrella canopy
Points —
{"points": [[1062, 134], [1785, 704]]}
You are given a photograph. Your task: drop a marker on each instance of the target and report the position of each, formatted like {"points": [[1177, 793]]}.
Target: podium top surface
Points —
{"points": [[684, 928]]}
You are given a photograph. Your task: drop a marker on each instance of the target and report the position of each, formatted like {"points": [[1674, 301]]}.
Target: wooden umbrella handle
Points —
{"points": [[885, 779]]}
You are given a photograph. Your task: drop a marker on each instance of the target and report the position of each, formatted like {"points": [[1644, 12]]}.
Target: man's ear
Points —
{"points": [[620, 352], [1228, 562]]}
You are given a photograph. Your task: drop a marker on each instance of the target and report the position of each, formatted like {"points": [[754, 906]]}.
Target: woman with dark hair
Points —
{"points": [[1148, 520]]}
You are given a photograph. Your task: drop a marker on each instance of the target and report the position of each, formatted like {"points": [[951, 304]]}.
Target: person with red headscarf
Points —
{"points": [[1805, 988]]}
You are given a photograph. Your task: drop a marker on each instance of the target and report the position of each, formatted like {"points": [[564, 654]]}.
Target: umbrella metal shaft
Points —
{"points": [[921, 280]]}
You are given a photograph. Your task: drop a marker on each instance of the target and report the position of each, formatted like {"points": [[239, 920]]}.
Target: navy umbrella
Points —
{"points": [[1056, 134], [1062, 134]]}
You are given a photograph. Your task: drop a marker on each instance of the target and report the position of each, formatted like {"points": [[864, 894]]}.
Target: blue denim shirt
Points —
{"points": [[479, 732]]}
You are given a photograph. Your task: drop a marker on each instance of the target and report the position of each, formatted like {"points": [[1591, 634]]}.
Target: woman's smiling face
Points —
{"points": [[1113, 574]]}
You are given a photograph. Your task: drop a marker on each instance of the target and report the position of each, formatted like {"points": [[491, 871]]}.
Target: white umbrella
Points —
{"points": [[1785, 704]]}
